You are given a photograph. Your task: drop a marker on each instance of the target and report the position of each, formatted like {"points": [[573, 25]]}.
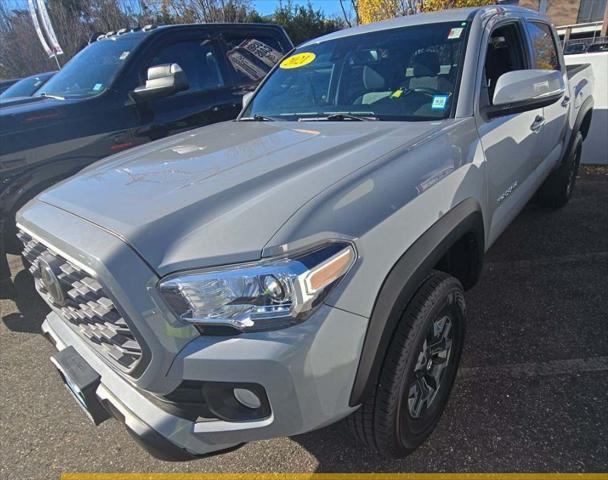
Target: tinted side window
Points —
{"points": [[252, 56], [591, 11], [544, 46], [197, 59], [598, 47]]}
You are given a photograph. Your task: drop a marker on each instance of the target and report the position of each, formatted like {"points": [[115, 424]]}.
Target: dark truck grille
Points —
{"points": [[82, 302]]}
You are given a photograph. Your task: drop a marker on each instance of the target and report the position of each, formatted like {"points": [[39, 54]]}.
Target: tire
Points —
{"points": [[9, 234], [393, 421], [7, 289], [557, 188]]}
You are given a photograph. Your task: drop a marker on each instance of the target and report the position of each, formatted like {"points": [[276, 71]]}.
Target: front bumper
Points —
{"points": [[154, 434], [307, 372]]}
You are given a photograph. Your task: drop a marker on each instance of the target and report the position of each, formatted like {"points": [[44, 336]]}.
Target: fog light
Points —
{"points": [[247, 398]]}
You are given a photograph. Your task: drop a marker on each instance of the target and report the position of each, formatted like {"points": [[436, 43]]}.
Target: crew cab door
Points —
{"points": [[510, 142], [208, 99], [545, 56]]}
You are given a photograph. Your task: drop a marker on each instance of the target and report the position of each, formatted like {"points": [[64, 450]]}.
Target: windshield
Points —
{"points": [[91, 71], [26, 86], [406, 74]]}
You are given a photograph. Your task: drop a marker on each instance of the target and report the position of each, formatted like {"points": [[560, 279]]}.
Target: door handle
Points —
{"points": [[565, 101], [539, 121]]}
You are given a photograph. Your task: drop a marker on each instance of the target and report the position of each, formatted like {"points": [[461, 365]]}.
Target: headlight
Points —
{"points": [[266, 295]]}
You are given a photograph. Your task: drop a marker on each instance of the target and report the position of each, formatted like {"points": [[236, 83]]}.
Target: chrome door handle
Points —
{"points": [[565, 101], [538, 123]]}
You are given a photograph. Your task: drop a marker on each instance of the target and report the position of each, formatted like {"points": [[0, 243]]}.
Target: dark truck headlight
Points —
{"points": [[265, 295]]}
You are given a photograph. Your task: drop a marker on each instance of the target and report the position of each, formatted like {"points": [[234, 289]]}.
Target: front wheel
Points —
{"points": [[418, 371]]}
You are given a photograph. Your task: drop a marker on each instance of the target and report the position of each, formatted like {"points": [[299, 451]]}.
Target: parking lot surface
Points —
{"points": [[532, 393]]}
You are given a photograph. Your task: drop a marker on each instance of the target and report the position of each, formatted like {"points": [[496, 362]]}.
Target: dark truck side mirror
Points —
{"points": [[163, 80]]}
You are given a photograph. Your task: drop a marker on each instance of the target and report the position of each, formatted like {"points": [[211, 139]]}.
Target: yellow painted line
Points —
{"points": [[334, 476]]}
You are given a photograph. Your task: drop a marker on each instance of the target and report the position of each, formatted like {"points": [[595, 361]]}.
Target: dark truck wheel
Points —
{"points": [[557, 188], [9, 234], [418, 371]]}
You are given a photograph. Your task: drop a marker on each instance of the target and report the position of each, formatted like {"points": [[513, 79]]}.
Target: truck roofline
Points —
{"points": [[452, 15], [144, 35]]}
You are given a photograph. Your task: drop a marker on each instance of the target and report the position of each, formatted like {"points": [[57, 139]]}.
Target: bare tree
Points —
{"points": [[76, 21], [346, 14], [20, 52], [189, 11]]}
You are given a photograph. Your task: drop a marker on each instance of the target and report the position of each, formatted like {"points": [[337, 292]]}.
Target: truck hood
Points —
{"points": [[216, 195], [13, 101], [31, 112]]}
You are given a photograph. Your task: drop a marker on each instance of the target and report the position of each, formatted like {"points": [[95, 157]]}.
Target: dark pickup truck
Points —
{"points": [[125, 90]]}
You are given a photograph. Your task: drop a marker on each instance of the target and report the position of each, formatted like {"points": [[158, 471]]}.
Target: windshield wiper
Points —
{"points": [[50, 95], [257, 118], [338, 117]]}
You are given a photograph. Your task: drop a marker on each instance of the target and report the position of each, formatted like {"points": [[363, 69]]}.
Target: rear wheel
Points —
{"points": [[557, 188], [418, 372]]}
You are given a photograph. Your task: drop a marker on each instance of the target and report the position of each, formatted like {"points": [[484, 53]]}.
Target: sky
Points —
{"points": [[330, 7]]}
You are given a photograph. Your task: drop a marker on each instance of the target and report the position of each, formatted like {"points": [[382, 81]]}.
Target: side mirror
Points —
{"points": [[246, 99], [163, 80], [522, 90]]}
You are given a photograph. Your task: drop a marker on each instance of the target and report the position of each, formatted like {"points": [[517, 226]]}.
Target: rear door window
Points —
{"points": [[543, 44], [252, 56]]}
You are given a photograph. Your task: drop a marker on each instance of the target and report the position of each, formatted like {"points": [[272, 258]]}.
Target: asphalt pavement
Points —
{"points": [[531, 395]]}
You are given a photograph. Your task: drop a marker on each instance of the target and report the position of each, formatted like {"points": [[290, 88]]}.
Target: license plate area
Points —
{"points": [[81, 381]]}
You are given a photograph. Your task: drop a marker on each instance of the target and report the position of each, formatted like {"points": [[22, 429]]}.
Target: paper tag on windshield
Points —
{"points": [[123, 55], [97, 87], [439, 102], [455, 33]]}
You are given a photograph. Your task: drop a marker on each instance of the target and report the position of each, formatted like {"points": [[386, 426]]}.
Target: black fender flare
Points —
{"points": [[586, 107], [402, 282]]}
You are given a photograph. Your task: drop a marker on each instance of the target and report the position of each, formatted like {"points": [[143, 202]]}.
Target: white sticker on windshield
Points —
{"points": [[123, 55], [455, 33], [97, 87]]}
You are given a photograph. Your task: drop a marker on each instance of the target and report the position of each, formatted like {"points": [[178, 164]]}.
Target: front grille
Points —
{"points": [[82, 302]]}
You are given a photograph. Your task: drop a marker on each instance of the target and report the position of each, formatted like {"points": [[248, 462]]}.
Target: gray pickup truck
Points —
{"points": [[307, 262]]}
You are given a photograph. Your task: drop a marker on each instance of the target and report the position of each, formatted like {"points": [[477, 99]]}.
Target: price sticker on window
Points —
{"points": [[439, 102], [298, 60], [455, 33]]}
